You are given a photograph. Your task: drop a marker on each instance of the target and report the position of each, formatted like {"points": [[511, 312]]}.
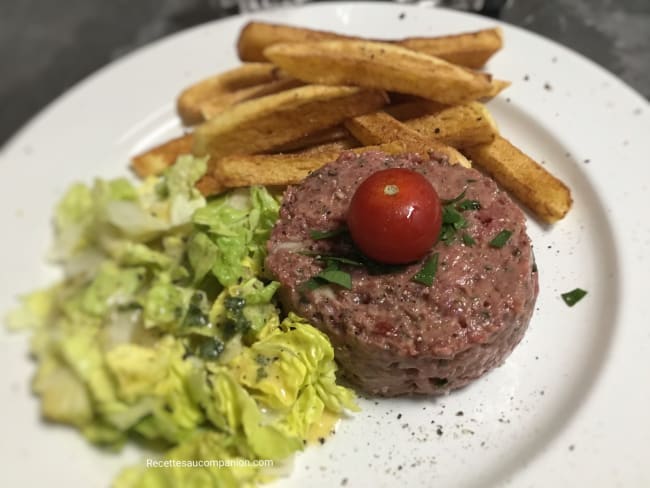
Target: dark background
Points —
{"points": [[48, 45]]}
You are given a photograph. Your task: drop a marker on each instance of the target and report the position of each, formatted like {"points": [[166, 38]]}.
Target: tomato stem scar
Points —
{"points": [[391, 190]]}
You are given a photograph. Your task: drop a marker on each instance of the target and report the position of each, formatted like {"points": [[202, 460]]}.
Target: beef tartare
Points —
{"points": [[394, 335]]}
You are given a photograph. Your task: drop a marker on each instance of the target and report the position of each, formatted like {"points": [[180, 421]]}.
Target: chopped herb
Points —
{"points": [[469, 205], [574, 296], [447, 234], [311, 284], [211, 348], [500, 239], [325, 234], [452, 219], [330, 258], [468, 240], [331, 274], [260, 374], [428, 271], [451, 216], [195, 317], [234, 304], [262, 360], [458, 198], [336, 276], [236, 322]]}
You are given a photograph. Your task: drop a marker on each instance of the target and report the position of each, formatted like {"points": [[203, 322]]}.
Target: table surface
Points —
{"points": [[46, 47]]}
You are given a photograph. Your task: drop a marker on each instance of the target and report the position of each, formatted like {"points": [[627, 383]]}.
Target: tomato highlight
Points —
{"points": [[395, 216]]}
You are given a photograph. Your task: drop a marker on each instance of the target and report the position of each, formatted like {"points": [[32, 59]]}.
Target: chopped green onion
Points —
{"points": [[500, 239], [325, 234], [428, 271], [468, 240], [574, 296]]}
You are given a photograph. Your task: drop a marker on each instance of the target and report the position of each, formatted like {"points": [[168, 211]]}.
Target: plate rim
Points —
{"points": [[15, 139]]}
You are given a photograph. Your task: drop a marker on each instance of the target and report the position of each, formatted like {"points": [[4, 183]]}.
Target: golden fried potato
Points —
{"points": [[286, 169], [497, 86], [382, 66], [544, 194], [471, 49], [337, 134], [209, 185], [189, 101], [217, 104], [263, 123], [412, 107], [380, 128], [268, 169], [156, 160], [459, 126], [348, 142]]}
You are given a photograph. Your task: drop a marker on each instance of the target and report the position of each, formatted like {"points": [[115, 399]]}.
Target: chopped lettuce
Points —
{"points": [[166, 327]]}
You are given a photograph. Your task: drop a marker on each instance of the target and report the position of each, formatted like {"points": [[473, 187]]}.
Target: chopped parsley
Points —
{"points": [[574, 296], [428, 272], [500, 239]]}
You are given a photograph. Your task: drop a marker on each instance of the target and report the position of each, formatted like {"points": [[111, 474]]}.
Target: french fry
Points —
{"points": [[261, 124], [412, 108], [496, 87], [471, 49], [156, 160], [459, 126], [209, 185], [334, 146], [268, 169], [380, 128], [214, 106], [189, 101], [336, 134], [276, 169], [283, 169], [544, 194], [382, 66]]}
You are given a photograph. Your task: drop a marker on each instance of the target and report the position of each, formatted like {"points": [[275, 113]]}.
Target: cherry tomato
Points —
{"points": [[395, 216]]}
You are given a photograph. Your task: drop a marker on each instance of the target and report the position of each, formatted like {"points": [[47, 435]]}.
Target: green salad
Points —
{"points": [[165, 331]]}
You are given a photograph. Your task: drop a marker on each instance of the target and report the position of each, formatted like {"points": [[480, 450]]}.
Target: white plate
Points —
{"points": [[569, 407]]}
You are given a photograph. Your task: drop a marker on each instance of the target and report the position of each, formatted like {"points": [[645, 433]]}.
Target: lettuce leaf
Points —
{"points": [[166, 327]]}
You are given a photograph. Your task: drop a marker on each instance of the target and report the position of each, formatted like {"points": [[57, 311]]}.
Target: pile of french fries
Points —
{"points": [[301, 96]]}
